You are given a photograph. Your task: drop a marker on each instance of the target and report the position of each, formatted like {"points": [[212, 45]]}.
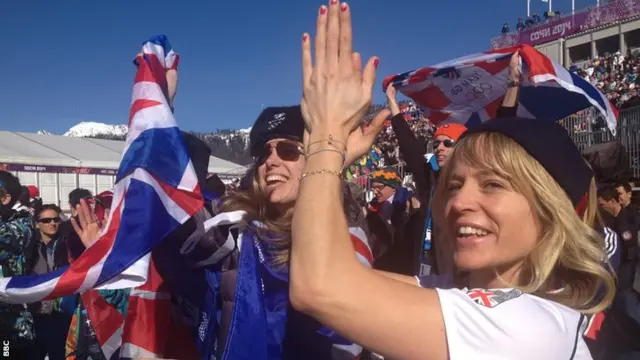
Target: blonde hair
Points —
{"points": [[569, 252], [277, 225]]}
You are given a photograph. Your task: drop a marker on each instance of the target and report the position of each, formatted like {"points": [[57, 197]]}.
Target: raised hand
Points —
{"points": [[336, 91], [363, 137], [514, 67], [88, 226]]}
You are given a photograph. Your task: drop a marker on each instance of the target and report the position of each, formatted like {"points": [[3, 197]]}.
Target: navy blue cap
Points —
{"points": [[276, 122], [549, 143]]}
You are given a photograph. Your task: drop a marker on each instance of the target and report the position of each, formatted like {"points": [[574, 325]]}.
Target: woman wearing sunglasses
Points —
{"points": [[509, 204], [256, 219], [51, 317]]}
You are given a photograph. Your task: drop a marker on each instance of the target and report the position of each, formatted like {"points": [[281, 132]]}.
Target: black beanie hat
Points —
{"points": [[276, 122], [549, 143]]}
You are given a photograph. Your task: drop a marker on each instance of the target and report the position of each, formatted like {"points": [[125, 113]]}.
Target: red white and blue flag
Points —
{"points": [[156, 191], [470, 89]]}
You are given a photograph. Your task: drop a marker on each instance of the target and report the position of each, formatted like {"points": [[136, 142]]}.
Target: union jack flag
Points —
{"points": [[470, 89], [492, 298], [156, 191]]}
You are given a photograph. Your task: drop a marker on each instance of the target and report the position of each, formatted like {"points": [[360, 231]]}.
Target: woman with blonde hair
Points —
{"points": [[507, 203]]}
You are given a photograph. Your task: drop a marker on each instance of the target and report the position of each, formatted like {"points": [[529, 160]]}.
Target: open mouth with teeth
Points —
{"points": [[275, 180], [470, 234]]}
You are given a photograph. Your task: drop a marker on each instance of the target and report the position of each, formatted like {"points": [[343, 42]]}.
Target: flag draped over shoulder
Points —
{"points": [[156, 192], [470, 89]]}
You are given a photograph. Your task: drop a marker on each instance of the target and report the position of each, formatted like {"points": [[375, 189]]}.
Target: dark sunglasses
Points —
{"points": [[49, 220], [287, 151], [447, 143]]}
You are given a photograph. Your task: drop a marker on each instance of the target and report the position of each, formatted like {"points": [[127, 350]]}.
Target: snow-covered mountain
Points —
{"points": [[228, 144], [92, 129]]}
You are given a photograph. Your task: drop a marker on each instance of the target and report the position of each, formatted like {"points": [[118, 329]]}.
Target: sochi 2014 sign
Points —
{"points": [[56, 169], [570, 24]]}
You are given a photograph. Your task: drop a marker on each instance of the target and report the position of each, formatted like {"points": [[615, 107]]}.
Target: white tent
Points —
{"points": [[62, 151], [59, 164]]}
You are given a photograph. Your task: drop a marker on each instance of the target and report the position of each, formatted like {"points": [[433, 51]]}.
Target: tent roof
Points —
{"points": [[53, 150]]}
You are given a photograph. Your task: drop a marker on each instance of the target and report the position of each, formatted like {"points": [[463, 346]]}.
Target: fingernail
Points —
{"points": [[323, 10], [333, 2], [343, 7], [305, 37], [375, 62]]}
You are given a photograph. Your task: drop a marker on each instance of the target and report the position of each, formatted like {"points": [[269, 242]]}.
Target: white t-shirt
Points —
{"points": [[507, 324]]}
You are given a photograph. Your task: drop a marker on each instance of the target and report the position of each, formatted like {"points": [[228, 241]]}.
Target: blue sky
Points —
{"points": [[69, 61]]}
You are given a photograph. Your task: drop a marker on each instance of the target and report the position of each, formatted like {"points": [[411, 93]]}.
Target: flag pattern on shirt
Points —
{"points": [[470, 89], [156, 191], [492, 298]]}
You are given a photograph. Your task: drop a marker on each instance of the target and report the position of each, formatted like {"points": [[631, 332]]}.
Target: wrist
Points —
{"points": [[328, 160], [323, 133]]}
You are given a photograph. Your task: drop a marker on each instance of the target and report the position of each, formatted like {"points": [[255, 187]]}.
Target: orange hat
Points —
{"points": [[452, 130]]}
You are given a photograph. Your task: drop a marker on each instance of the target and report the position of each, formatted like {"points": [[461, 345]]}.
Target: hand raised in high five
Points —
{"points": [[336, 90], [88, 226]]}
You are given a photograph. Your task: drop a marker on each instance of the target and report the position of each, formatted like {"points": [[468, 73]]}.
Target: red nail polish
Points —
{"points": [[305, 37], [375, 63], [343, 7], [323, 10], [333, 2]]}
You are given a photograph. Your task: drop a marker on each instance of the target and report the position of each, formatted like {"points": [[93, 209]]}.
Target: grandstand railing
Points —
{"points": [[586, 128]]}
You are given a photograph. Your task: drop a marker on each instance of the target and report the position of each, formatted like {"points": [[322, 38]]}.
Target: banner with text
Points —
{"points": [[570, 24]]}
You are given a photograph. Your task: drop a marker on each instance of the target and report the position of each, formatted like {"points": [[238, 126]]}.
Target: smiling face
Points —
{"points": [[280, 166], [490, 224], [483, 207]]}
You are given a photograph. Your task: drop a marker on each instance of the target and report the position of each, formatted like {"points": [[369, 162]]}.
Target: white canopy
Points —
{"points": [[53, 150]]}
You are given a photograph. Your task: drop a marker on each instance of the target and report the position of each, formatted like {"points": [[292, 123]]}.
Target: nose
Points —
{"points": [[465, 199], [273, 159]]}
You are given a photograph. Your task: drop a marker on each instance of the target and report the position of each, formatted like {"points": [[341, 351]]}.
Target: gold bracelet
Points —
{"points": [[329, 142], [320, 172], [342, 153]]}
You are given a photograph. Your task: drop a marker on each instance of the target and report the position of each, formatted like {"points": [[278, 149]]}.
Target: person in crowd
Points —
{"points": [[75, 246], [51, 317], [257, 217], [505, 28], [17, 229], [74, 199], [81, 338], [508, 202], [520, 25], [626, 226], [392, 210], [24, 201], [35, 201], [625, 194]]}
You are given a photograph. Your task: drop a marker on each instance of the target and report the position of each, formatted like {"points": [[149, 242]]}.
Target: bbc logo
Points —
{"points": [[5, 348]]}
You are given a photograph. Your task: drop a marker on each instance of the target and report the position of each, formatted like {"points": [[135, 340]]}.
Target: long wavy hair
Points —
{"points": [[569, 253], [277, 226]]}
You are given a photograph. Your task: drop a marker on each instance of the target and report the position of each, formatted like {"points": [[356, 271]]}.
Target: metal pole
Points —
{"points": [[573, 6], [550, 8], [597, 2], [528, 8]]}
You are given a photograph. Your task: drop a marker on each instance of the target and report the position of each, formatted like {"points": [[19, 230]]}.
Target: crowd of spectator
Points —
{"points": [[531, 21], [385, 152], [616, 75]]}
